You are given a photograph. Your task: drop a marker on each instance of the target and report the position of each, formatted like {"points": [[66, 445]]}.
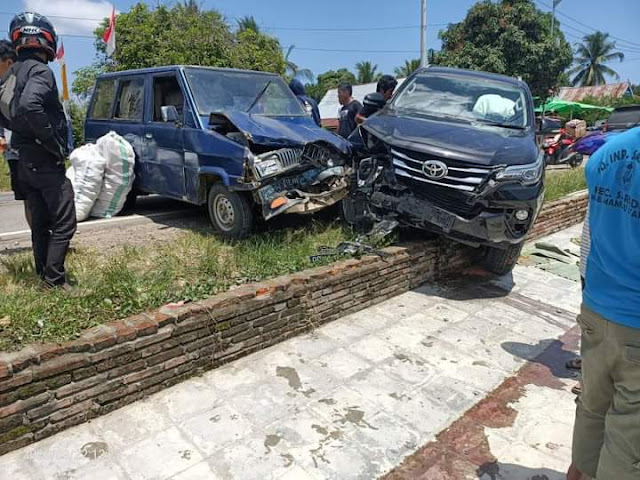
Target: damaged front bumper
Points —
{"points": [[298, 180], [496, 226]]}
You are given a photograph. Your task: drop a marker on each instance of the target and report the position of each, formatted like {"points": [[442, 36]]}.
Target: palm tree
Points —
{"points": [[591, 56], [408, 68], [367, 72], [248, 23], [293, 71]]}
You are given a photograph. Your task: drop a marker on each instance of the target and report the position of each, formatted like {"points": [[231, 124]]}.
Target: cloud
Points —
{"points": [[71, 17]]}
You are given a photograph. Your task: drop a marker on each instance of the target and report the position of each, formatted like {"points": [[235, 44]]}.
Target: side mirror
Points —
{"points": [[169, 114], [374, 101]]}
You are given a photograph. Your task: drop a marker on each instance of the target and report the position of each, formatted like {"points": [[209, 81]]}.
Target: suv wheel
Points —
{"points": [[230, 212], [501, 261]]}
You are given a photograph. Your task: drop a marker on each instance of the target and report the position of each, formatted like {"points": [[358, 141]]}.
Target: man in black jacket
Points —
{"points": [[40, 136]]}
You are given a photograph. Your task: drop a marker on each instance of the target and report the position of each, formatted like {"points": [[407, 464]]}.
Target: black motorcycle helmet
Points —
{"points": [[29, 30]]}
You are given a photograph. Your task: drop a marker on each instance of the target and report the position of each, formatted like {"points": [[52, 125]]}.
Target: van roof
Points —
{"points": [[170, 68]]}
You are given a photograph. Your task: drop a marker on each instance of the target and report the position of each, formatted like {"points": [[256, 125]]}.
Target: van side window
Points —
{"points": [[104, 93], [130, 103], [167, 92]]}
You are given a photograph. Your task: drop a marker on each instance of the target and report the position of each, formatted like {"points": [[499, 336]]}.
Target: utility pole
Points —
{"points": [[424, 61], [553, 16]]}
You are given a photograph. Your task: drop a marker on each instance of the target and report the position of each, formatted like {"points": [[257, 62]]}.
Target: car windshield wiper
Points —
{"points": [[502, 125], [259, 96]]}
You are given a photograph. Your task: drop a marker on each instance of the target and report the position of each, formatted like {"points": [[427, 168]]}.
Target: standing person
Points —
{"points": [[7, 59], [309, 104], [40, 135], [384, 91], [350, 108], [606, 437]]}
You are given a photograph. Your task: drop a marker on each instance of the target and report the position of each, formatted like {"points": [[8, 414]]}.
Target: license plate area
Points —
{"points": [[439, 218]]}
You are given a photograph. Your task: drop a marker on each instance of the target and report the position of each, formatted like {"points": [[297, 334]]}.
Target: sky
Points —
{"points": [[339, 33]]}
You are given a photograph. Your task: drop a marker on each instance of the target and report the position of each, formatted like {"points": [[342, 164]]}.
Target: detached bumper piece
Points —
{"points": [[487, 228]]}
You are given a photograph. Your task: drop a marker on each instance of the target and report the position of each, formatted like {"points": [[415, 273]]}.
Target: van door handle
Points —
{"points": [[149, 136]]}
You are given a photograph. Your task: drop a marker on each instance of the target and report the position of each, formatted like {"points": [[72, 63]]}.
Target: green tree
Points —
{"points": [[292, 70], [255, 51], [248, 23], [591, 57], [328, 80], [367, 73], [186, 34], [408, 68], [512, 37], [77, 112], [83, 81]]}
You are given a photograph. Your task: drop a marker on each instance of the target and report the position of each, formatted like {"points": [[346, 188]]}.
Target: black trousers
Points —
{"points": [[50, 197]]}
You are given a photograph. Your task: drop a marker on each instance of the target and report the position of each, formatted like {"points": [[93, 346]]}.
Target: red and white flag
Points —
{"points": [[109, 36], [60, 54]]}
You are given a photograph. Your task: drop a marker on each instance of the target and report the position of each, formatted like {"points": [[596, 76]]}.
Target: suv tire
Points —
{"points": [[230, 212], [501, 261]]}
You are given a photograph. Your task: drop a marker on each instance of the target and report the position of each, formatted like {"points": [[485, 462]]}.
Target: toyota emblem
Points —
{"points": [[435, 169]]}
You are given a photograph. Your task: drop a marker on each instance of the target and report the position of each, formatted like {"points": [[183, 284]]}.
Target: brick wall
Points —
{"points": [[560, 214], [47, 388]]}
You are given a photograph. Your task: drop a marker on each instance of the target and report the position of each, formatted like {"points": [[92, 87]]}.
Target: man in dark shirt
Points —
{"points": [[309, 104], [40, 135], [350, 108], [384, 91]]}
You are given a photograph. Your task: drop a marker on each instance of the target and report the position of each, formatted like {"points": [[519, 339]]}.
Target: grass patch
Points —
{"points": [[133, 280], [561, 183], [5, 178]]}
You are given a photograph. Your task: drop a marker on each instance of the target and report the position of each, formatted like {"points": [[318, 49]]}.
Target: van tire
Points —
{"points": [[501, 261], [230, 212]]}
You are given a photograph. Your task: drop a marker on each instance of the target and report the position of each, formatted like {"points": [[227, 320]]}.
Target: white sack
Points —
{"points": [[86, 174], [118, 175]]}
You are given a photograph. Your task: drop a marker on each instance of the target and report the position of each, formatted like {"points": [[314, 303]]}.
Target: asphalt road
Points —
{"points": [[12, 220]]}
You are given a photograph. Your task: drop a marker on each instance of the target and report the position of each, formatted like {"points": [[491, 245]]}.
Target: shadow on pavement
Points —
{"points": [[469, 288], [508, 471], [553, 356]]}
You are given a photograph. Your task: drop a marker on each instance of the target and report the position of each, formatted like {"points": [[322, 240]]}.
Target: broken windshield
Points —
{"points": [[457, 98], [224, 91]]}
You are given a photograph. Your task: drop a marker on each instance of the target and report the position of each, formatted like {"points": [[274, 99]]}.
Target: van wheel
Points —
{"points": [[501, 261], [230, 212]]}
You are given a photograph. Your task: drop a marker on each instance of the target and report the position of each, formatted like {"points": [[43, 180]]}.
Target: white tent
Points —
{"points": [[329, 106]]}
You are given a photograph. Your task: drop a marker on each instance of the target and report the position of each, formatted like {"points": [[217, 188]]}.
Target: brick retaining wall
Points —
{"points": [[47, 388], [560, 214]]}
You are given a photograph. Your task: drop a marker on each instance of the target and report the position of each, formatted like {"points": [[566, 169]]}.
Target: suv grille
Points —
{"points": [[452, 192], [460, 176]]}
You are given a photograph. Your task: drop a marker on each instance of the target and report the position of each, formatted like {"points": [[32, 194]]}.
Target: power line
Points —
{"points": [[633, 44], [292, 29]]}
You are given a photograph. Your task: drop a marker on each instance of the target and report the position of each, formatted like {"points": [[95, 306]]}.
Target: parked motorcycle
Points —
{"points": [[560, 150]]}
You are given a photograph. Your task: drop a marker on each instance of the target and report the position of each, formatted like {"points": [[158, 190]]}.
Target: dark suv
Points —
{"points": [[236, 141], [623, 118], [454, 153]]}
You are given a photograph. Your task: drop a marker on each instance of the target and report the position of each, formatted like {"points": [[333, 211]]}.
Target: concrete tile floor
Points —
{"points": [[348, 401]]}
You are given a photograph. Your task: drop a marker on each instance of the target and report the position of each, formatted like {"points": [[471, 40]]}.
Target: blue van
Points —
{"points": [[236, 141]]}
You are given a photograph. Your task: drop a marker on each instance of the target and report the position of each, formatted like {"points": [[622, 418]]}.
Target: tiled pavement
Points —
{"points": [[352, 399]]}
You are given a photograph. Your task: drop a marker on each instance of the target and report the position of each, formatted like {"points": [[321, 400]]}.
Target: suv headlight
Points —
{"points": [[268, 166], [525, 174]]}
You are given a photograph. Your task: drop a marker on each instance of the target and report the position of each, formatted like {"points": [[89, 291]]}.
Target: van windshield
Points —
{"points": [[220, 91], [458, 98]]}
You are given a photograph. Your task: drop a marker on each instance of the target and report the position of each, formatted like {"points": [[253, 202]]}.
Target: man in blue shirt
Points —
{"points": [[606, 439]]}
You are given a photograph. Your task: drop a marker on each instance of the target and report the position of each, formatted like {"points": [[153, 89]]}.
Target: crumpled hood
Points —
{"points": [[283, 132], [479, 144]]}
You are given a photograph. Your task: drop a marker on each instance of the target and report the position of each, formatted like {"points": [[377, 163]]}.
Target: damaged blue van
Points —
{"points": [[236, 141]]}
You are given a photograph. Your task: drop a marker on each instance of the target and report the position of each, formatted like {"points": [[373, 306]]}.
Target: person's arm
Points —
{"points": [[30, 111]]}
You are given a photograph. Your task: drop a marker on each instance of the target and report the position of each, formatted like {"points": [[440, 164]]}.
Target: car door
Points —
{"points": [[128, 120], [165, 139]]}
